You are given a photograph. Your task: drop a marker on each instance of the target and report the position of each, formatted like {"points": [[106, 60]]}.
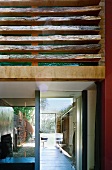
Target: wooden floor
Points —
{"points": [[50, 159], [53, 159]]}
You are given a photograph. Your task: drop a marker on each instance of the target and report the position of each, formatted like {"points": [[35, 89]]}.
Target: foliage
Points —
{"points": [[15, 64], [68, 64], [63, 111], [48, 64], [47, 124], [43, 103], [27, 111]]}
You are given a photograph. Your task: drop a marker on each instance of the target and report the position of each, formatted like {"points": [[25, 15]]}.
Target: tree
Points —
{"points": [[47, 124], [27, 111], [63, 111], [43, 103]]}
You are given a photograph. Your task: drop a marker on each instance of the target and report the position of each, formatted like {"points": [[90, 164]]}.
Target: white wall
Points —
{"points": [[72, 120], [75, 116]]}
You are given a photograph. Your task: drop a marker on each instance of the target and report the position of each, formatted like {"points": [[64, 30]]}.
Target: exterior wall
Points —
{"points": [[6, 121], [91, 128], [107, 92]]}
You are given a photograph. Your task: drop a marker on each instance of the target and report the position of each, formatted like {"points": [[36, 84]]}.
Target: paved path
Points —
{"points": [[53, 159]]}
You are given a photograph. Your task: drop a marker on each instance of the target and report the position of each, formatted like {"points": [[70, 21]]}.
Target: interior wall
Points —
{"points": [[65, 129], [91, 97], [75, 120], [72, 121], [6, 121], [70, 132]]}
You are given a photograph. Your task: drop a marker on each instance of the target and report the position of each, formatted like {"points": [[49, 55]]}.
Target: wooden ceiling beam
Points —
{"points": [[73, 20], [56, 39], [50, 73], [51, 11], [51, 58], [13, 30], [88, 49]]}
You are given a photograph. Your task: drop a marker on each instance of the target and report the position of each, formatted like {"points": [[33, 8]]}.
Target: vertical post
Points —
{"points": [[98, 126], [84, 129], [55, 124], [91, 114], [37, 130], [78, 135], [55, 129]]}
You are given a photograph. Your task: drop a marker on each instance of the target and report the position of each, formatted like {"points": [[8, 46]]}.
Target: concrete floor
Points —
{"points": [[53, 159]]}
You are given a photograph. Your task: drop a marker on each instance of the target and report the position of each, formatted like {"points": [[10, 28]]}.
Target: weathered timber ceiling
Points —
{"points": [[50, 31]]}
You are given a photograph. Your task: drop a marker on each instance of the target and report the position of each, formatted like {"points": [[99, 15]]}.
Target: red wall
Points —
{"points": [[107, 142]]}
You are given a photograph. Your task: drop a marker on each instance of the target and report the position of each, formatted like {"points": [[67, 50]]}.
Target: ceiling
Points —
{"points": [[23, 93]]}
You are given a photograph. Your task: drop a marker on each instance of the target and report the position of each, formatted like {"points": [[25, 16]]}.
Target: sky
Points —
{"points": [[54, 105]]}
